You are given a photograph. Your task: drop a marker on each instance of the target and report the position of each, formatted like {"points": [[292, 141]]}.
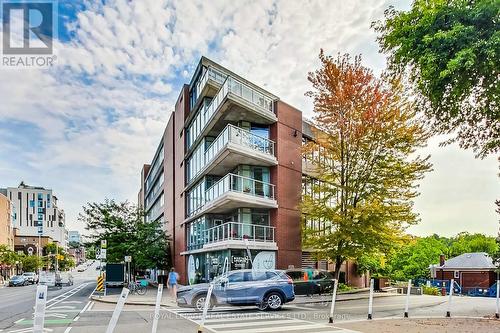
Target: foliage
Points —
{"points": [[30, 263], [344, 287], [373, 263], [90, 251], [7, 256], [64, 261], [412, 260], [430, 291], [363, 160], [127, 233], [450, 52]]}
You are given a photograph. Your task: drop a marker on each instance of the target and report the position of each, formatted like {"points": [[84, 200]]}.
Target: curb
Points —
{"points": [[97, 299], [312, 301]]}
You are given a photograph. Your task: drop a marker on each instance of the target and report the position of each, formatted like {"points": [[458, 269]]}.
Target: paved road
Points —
{"points": [[71, 311]]}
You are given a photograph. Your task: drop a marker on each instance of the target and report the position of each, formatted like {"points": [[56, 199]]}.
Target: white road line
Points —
{"points": [[19, 320], [67, 329], [76, 318], [254, 323], [91, 306], [68, 294], [85, 307]]}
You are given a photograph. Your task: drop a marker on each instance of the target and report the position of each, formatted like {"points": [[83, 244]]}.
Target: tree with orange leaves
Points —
{"points": [[364, 169]]}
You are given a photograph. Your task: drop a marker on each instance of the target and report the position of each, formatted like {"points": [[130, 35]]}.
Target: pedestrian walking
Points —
{"points": [[173, 277]]}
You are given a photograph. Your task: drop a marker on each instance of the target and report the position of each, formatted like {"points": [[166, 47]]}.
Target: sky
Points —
{"points": [[87, 125]]}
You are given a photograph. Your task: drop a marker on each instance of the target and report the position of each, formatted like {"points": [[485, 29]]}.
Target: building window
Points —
{"points": [[32, 203], [40, 217], [456, 274], [40, 196]]}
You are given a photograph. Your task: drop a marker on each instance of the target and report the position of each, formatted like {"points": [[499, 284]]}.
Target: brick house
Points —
{"points": [[470, 270]]}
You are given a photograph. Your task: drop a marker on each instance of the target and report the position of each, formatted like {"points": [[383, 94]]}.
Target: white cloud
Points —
{"points": [[101, 111]]}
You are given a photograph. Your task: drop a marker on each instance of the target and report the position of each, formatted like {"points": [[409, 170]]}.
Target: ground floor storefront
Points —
{"points": [[205, 266]]}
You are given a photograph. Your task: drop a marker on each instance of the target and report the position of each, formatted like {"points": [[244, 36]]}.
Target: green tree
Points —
{"points": [[450, 52], [31, 263], [467, 243], [127, 233], [64, 260], [363, 161], [413, 260], [7, 256]]}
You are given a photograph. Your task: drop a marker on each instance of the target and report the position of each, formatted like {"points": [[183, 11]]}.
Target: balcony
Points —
{"points": [[209, 84], [234, 101], [236, 235], [234, 146], [233, 191]]}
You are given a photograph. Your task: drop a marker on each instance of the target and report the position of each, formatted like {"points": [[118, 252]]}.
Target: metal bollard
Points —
{"points": [[370, 301], [407, 298], [334, 295], [448, 313], [497, 314]]}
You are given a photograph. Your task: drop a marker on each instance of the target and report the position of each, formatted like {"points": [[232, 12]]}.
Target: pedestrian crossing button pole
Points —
{"points": [[370, 300], [334, 295], [407, 298], [448, 313]]}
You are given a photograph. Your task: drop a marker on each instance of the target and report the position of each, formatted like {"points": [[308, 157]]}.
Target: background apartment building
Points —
{"points": [[227, 177], [7, 220], [37, 213]]}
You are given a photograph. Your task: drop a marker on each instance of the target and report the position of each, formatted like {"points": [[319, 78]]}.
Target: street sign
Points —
{"points": [[104, 244], [103, 254], [128, 258]]}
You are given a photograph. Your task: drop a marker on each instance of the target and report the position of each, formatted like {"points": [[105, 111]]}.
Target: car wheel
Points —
{"points": [[199, 303], [273, 301]]}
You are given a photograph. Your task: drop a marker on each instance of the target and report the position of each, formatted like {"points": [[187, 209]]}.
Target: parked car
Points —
{"points": [[268, 290], [81, 269], [31, 277], [18, 280], [308, 281]]}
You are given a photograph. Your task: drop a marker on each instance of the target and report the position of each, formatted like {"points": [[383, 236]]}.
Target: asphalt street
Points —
{"points": [[71, 310]]}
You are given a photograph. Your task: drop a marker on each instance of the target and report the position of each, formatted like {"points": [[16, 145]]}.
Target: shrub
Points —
{"points": [[431, 291]]}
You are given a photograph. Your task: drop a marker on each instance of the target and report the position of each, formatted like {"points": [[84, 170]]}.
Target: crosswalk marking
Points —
{"points": [[220, 320], [255, 323]]}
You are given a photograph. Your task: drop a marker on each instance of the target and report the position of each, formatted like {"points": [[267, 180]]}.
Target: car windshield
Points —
{"points": [[17, 277], [29, 274]]}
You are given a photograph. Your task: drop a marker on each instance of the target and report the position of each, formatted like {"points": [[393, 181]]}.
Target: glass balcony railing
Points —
{"points": [[239, 231], [236, 183], [235, 87], [239, 136], [210, 74], [230, 134]]}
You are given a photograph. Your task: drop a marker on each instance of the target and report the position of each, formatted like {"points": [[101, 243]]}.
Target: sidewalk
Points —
{"points": [[167, 301]]}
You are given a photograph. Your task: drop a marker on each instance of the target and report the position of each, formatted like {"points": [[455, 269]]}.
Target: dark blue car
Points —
{"points": [[268, 290]]}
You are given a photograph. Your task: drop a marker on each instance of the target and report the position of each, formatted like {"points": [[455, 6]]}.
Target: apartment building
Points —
{"points": [[7, 220], [227, 177], [37, 213]]}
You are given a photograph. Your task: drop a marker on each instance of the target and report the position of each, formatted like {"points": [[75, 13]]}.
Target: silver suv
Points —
{"points": [[268, 290], [31, 277]]}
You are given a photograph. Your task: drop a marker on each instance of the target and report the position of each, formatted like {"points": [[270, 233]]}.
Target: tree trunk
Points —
{"points": [[338, 263]]}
